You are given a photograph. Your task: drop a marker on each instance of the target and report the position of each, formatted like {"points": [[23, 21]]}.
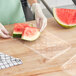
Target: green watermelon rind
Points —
{"points": [[61, 23], [32, 38], [17, 34]]}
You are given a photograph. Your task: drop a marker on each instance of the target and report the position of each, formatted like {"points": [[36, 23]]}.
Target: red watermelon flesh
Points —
{"points": [[18, 29], [65, 17], [30, 33]]}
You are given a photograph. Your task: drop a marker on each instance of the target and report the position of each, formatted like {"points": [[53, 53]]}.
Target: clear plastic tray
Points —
{"points": [[48, 45], [70, 66]]}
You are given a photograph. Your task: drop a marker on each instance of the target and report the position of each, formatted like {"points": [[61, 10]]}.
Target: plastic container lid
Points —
{"points": [[70, 66], [48, 45]]}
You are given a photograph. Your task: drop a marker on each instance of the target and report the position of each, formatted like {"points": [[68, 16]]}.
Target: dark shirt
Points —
{"points": [[24, 3], [27, 11]]}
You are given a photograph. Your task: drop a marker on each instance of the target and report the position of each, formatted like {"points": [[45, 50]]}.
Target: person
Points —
{"points": [[11, 12]]}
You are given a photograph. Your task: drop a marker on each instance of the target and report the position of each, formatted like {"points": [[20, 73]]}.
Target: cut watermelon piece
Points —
{"points": [[30, 33], [65, 17], [18, 29]]}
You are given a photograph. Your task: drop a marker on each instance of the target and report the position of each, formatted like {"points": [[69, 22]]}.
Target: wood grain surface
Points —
{"points": [[34, 64]]}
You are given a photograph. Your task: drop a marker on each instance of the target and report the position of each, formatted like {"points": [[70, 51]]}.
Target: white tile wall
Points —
{"points": [[54, 3]]}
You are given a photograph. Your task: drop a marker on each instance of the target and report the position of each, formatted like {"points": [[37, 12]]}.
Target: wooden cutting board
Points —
{"points": [[34, 64]]}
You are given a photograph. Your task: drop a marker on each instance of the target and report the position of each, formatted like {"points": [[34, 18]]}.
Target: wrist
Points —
{"points": [[32, 1], [34, 6]]}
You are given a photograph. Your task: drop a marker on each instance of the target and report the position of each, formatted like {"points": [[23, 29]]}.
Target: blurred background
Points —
{"points": [[56, 3], [47, 6]]}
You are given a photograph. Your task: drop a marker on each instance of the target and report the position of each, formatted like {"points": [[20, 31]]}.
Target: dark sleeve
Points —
{"points": [[24, 2], [27, 11], [74, 1]]}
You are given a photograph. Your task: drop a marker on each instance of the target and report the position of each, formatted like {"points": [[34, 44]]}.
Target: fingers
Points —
{"points": [[4, 35], [3, 29], [38, 23], [3, 32], [43, 24]]}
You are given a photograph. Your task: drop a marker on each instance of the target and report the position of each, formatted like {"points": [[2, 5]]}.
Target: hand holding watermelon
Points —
{"points": [[41, 20]]}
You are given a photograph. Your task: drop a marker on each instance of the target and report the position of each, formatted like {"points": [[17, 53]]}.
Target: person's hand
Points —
{"points": [[41, 20], [3, 32]]}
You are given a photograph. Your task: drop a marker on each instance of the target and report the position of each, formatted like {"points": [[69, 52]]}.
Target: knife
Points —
{"points": [[74, 1], [50, 9]]}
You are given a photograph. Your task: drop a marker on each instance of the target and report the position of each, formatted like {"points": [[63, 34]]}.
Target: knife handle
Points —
{"points": [[74, 1]]}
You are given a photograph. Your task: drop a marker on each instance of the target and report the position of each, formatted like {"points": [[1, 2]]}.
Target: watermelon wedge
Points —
{"points": [[65, 17], [18, 29], [30, 33]]}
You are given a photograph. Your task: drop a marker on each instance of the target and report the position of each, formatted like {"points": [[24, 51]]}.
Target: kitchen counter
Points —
{"points": [[34, 64]]}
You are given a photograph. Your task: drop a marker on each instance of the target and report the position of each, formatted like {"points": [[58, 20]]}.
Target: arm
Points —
{"points": [[41, 20], [32, 1]]}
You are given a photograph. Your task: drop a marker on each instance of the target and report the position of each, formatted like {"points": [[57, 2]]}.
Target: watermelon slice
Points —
{"points": [[30, 33], [18, 29], [65, 17]]}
